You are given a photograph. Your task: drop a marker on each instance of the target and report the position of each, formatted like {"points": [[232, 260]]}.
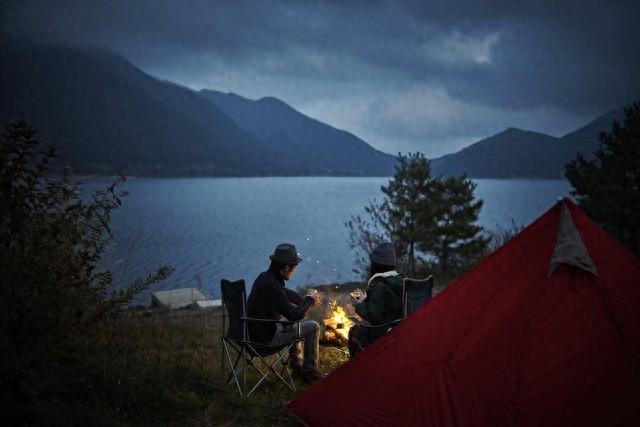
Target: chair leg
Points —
{"points": [[264, 375], [232, 366], [343, 355], [286, 369], [290, 383], [284, 357], [247, 363], [244, 369], [250, 364], [235, 366], [271, 368]]}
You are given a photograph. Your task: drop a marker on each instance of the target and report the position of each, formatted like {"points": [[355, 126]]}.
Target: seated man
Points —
{"points": [[382, 301], [269, 299]]}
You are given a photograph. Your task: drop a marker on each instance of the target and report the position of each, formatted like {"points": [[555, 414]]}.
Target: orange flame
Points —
{"points": [[338, 320]]}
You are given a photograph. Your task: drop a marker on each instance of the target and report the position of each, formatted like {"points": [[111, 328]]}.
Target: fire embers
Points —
{"points": [[337, 325]]}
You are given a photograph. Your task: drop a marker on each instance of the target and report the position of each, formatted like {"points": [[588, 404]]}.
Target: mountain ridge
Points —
{"points": [[108, 116], [522, 154], [60, 91], [275, 123]]}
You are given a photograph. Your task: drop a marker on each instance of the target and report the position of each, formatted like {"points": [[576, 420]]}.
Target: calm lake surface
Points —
{"points": [[214, 228]]}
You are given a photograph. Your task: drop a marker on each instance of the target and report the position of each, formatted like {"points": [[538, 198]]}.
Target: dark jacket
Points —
{"points": [[384, 300], [269, 299]]}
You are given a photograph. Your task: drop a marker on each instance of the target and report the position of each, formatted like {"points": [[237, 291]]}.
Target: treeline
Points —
{"points": [[608, 187]]}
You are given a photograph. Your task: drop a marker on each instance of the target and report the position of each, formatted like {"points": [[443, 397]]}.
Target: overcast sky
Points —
{"points": [[430, 76]]}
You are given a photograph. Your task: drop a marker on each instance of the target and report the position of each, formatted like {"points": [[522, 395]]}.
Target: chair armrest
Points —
{"points": [[359, 321], [383, 325], [282, 322], [355, 319], [295, 323]]}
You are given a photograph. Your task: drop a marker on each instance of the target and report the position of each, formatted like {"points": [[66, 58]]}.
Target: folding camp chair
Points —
{"points": [[415, 292], [251, 355]]}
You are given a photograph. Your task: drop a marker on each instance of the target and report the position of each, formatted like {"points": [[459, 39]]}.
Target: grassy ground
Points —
{"points": [[166, 369]]}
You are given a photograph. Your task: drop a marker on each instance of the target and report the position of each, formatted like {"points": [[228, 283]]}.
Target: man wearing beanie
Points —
{"points": [[269, 299], [383, 299]]}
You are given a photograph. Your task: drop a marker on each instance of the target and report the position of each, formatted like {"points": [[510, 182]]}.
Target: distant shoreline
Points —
{"points": [[140, 177], [134, 177]]}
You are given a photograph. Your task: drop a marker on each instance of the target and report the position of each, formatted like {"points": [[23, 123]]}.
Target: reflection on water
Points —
{"points": [[213, 228]]}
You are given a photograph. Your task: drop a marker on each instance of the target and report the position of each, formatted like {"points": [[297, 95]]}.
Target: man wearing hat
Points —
{"points": [[382, 302], [270, 299]]}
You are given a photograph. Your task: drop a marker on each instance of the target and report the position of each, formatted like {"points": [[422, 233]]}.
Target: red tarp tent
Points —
{"points": [[545, 331]]}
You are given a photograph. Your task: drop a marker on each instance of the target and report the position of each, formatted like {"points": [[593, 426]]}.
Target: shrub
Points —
{"points": [[54, 303], [608, 187]]}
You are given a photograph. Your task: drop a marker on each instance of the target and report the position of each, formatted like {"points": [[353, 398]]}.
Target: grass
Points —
{"points": [[164, 368]]}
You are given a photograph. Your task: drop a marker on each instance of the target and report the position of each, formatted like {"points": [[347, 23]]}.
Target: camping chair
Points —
{"points": [[415, 292], [250, 355]]}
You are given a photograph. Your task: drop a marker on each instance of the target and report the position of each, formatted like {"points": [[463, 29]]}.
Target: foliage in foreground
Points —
{"points": [[608, 187], [56, 308]]}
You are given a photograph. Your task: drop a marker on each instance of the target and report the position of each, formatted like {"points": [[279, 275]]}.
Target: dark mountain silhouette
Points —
{"points": [[108, 116], [516, 153], [503, 156], [585, 139], [304, 144]]}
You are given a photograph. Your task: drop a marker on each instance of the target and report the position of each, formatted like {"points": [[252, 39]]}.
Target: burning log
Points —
{"points": [[337, 326], [334, 337]]}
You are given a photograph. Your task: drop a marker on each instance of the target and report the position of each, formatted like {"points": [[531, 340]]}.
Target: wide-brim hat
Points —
{"points": [[286, 253]]}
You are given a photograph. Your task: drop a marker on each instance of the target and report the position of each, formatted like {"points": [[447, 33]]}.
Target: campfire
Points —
{"points": [[336, 325]]}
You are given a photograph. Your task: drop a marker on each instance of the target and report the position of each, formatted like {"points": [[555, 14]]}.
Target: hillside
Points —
{"points": [[585, 139], [107, 116], [516, 153], [306, 145], [510, 154]]}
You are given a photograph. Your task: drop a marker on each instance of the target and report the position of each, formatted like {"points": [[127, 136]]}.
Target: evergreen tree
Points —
{"points": [[453, 237], [408, 205], [608, 187], [422, 214]]}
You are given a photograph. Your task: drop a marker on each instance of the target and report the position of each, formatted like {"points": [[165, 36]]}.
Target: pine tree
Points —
{"points": [[608, 187], [408, 204], [453, 236], [422, 214]]}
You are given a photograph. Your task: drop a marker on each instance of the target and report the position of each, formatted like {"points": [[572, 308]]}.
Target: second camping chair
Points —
{"points": [[250, 355], [415, 292]]}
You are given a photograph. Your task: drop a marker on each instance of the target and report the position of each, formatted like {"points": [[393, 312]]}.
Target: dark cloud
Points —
{"points": [[404, 75]]}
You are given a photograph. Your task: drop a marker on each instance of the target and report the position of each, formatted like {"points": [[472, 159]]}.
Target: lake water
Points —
{"points": [[214, 228]]}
